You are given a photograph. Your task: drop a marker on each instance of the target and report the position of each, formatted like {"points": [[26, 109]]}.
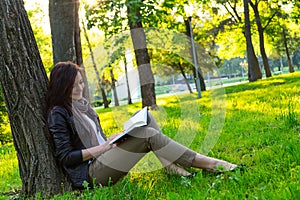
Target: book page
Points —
{"points": [[138, 120]]}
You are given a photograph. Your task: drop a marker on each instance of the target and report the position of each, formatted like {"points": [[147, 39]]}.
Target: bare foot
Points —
{"points": [[212, 164], [224, 167], [177, 170]]}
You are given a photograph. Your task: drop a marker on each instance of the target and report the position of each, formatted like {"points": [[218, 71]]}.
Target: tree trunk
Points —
{"points": [[103, 94], [127, 82], [105, 102], [142, 57], [185, 79], [261, 40], [113, 85], [291, 68], [202, 82], [254, 72], [62, 22], [65, 31], [77, 39], [280, 67], [24, 84], [201, 78], [78, 50]]}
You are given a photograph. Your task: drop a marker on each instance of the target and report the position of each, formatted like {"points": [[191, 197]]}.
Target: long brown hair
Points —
{"points": [[62, 78]]}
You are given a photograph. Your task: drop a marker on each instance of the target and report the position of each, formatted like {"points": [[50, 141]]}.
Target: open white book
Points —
{"points": [[138, 120]]}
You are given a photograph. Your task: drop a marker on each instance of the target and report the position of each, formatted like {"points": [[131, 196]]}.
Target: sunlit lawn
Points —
{"points": [[256, 124]]}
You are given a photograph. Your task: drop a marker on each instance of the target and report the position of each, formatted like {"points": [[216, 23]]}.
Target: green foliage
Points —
{"points": [[10, 180], [261, 130], [153, 13], [295, 14], [5, 133], [98, 103], [43, 39]]}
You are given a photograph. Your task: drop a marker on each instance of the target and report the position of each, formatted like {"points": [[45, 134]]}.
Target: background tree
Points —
{"points": [[284, 36], [174, 63], [141, 54], [24, 84], [254, 72], [261, 28], [63, 14], [110, 16], [295, 14], [65, 31], [113, 86], [129, 100], [199, 71], [221, 29], [172, 14], [103, 94]]}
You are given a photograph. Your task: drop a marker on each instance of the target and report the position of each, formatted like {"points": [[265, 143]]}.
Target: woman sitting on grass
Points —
{"points": [[85, 153]]}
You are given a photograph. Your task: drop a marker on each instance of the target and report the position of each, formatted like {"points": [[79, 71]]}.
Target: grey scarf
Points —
{"points": [[84, 128]]}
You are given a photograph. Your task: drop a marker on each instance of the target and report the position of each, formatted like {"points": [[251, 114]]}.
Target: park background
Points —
{"points": [[265, 139]]}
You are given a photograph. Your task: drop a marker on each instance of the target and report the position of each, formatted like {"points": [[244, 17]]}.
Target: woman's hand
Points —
{"points": [[113, 136], [108, 146], [96, 151]]}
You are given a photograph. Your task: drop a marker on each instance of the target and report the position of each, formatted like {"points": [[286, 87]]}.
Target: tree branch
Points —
{"points": [[232, 15], [270, 20], [235, 12]]}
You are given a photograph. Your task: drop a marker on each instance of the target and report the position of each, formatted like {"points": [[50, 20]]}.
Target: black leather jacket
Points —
{"points": [[68, 146]]}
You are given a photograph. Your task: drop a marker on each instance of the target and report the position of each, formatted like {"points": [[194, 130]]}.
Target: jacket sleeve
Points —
{"points": [[58, 127]]}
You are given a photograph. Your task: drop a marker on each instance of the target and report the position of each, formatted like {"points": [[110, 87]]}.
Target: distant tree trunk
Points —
{"points": [[254, 72], [280, 67], [291, 68], [127, 82], [104, 97], [202, 83], [185, 79], [65, 31], [261, 39], [78, 49], [103, 94], [113, 85], [77, 38], [24, 85], [142, 57]]}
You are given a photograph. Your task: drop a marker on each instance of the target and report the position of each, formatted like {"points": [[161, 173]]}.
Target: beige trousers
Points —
{"points": [[112, 165]]}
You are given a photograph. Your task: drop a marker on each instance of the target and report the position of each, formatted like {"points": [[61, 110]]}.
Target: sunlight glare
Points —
{"points": [[91, 2]]}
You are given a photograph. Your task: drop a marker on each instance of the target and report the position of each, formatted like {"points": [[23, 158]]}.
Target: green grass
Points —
{"points": [[260, 129], [9, 172]]}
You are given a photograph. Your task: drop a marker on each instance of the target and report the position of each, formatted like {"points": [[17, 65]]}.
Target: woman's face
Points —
{"points": [[78, 87]]}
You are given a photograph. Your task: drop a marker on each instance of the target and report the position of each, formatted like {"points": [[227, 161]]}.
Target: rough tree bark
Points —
{"points": [[254, 72], [24, 84], [142, 56]]}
